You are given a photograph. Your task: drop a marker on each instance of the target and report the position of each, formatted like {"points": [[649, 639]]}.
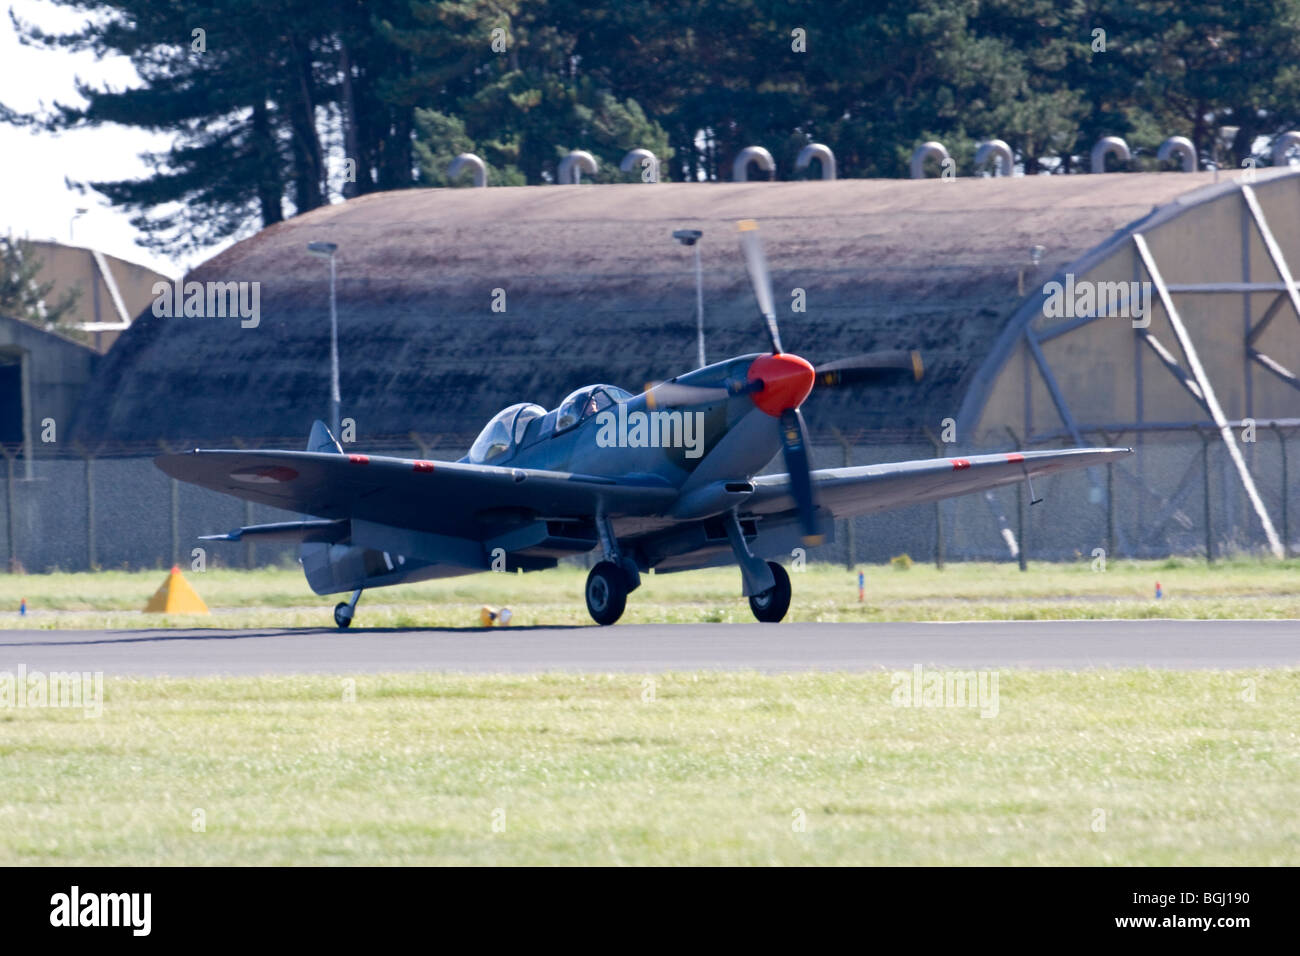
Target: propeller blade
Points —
{"points": [[871, 368], [760, 278], [794, 446]]}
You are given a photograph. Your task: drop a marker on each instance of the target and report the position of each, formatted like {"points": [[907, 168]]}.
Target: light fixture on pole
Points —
{"points": [[691, 237], [326, 250], [81, 211]]}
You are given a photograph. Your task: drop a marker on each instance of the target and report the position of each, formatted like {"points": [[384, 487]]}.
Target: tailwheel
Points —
{"points": [[770, 606], [607, 592], [344, 610]]}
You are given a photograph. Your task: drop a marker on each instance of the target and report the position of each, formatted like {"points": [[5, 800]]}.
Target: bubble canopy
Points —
{"points": [[500, 435], [503, 433], [587, 401]]}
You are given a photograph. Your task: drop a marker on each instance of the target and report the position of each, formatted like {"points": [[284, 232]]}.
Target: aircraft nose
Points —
{"points": [[787, 380]]}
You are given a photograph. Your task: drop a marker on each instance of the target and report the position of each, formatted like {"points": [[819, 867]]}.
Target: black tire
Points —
{"points": [[771, 606], [606, 592], [342, 615]]}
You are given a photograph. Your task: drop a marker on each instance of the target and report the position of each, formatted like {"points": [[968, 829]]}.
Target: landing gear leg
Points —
{"points": [[755, 573], [765, 582], [344, 610], [612, 579], [611, 553]]}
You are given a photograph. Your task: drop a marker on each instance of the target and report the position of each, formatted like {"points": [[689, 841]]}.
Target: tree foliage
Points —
{"points": [[22, 294], [279, 106]]}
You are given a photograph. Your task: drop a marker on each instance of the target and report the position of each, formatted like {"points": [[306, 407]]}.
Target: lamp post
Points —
{"points": [[691, 237], [81, 211], [326, 250]]}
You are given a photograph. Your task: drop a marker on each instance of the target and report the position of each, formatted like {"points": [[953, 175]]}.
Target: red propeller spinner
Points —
{"points": [[787, 380]]}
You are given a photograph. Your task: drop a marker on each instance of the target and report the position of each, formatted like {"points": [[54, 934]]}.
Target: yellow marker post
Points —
{"points": [[176, 597]]}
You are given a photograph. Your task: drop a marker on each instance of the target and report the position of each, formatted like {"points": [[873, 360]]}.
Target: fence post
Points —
{"points": [[175, 517], [1110, 507], [176, 522], [90, 511], [1205, 468], [11, 533], [250, 555], [851, 553], [1109, 442], [1022, 520], [938, 506], [1020, 526], [1286, 524], [250, 549]]}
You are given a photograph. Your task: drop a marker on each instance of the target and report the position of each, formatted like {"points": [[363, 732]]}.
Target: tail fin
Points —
{"points": [[320, 439], [315, 555]]}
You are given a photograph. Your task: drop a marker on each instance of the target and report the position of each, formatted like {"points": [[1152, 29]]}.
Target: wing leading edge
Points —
{"points": [[867, 489], [449, 498]]}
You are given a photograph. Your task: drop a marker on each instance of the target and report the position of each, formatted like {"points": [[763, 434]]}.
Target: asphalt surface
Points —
{"points": [[651, 648]]}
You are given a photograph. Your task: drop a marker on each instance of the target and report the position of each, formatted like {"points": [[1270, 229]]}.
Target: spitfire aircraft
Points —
{"points": [[667, 479]]}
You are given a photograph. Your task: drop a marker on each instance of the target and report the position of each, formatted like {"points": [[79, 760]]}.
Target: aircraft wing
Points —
{"points": [[867, 489], [448, 498]]}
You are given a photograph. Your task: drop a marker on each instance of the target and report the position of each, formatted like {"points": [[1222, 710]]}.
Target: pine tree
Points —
{"points": [[237, 84], [508, 85], [22, 294]]}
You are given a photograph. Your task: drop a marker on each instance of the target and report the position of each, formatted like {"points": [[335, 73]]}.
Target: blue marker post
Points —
{"points": [[861, 587]]}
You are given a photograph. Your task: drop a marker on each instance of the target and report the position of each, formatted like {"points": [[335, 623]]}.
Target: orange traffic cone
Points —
{"points": [[176, 597]]}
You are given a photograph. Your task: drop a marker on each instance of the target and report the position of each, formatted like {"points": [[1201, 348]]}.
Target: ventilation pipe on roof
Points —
{"points": [[1109, 146], [930, 150], [1284, 144], [571, 168], [817, 151], [751, 154], [644, 159], [995, 149], [1180, 148], [468, 161]]}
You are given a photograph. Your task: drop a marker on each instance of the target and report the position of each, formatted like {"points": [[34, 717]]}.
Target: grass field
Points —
{"points": [[1100, 767], [280, 597]]}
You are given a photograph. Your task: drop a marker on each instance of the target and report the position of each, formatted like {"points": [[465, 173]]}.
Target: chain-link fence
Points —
{"points": [[1180, 494]]}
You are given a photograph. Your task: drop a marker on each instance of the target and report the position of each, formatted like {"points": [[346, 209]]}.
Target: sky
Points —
{"points": [[35, 201]]}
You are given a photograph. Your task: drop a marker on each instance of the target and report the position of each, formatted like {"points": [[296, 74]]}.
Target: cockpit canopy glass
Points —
{"points": [[500, 436], [587, 401]]}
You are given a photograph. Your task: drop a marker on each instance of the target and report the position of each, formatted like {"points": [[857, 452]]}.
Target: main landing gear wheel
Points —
{"points": [[607, 592], [770, 606]]}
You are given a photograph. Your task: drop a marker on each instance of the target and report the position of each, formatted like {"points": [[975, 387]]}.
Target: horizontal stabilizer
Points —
{"points": [[326, 532]]}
